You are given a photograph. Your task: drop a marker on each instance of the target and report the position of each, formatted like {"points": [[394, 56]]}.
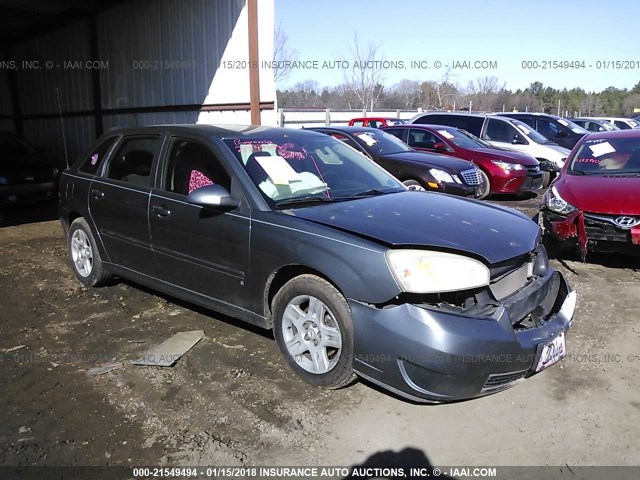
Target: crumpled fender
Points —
{"points": [[573, 226]]}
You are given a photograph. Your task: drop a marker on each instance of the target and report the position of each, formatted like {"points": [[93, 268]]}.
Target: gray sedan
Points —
{"points": [[434, 297]]}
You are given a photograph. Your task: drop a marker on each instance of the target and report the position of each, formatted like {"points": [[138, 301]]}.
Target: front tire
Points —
{"points": [[412, 184], [486, 190], [313, 328], [84, 255]]}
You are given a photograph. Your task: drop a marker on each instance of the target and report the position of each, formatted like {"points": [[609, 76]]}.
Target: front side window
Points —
{"points": [[499, 131], [422, 139], [93, 161], [191, 165], [133, 160], [547, 128]]}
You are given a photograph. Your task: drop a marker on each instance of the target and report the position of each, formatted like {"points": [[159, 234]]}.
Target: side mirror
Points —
{"points": [[562, 133], [518, 140], [212, 196], [440, 146]]}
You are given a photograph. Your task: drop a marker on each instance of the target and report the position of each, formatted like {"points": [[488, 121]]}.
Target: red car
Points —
{"points": [[375, 122], [505, 171], [595, 202]]}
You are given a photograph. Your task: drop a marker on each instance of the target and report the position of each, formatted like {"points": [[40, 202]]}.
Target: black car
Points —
{"points": [[593, 125], [26, 173], [418, 170], [432, 296], [561, 130]]}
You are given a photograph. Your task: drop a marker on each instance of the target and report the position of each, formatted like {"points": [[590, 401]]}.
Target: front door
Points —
{"points": [[203, 250]]}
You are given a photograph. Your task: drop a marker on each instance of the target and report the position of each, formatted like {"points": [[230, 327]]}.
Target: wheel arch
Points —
{"points": [[280, 277]]}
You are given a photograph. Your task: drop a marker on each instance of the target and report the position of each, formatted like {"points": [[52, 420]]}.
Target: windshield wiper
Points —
{"points": [[576, 172], [373, 192], [305, 199], [621, 174]]}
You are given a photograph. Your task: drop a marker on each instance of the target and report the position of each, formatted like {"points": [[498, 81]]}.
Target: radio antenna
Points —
{"points": [[64, 137]]}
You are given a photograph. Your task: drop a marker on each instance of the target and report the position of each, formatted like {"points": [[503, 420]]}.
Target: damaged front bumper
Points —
{"points": [[591, 232], [430, 354]]}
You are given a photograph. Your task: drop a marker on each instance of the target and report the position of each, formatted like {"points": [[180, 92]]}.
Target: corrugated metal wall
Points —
{"points": [[154, 54], [5, 101]]}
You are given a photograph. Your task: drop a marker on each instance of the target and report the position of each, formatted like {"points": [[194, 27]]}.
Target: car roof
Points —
{"points": [[431, 126], [631, 133], [346, 129], [221, 131], [375, 118]]}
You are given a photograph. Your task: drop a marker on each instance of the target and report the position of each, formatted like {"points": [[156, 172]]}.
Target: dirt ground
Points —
{"points": [[231, 400]]}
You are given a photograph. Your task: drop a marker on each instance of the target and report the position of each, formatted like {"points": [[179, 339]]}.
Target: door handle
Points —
{"points": [[161, 211], [97, 193]]}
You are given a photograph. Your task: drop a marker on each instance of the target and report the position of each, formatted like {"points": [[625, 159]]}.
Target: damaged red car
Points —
{"points": [[595, 202]]}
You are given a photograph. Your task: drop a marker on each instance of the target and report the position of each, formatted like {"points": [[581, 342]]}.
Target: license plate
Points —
{"points": [[552, 353]]}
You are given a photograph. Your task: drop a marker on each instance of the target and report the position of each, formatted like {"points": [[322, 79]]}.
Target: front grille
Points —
{"points": [[601, 227], [472, 177], [499, 381]]}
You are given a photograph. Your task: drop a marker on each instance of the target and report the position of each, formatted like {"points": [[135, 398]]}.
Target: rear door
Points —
{"points": [[203, 250], [119, 199]]}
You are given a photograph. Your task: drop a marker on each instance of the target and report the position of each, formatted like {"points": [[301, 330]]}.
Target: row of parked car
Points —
{"points": [[593, 204]]}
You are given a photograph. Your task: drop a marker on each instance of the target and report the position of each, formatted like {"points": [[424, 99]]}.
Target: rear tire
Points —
{"points": [[546, 179], [313, 329], [84, 255]]}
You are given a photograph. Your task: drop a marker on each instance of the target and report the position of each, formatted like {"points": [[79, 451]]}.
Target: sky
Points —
{"points": [[516, 41]]}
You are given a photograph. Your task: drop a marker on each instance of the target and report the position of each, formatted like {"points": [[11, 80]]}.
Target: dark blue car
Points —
{"points": [[434, 297]]}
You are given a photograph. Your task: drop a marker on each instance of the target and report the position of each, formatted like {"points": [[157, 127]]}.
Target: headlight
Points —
{"points": [[554, 202], [4, 180], [422, 271], [506, 166], [441, 176]]}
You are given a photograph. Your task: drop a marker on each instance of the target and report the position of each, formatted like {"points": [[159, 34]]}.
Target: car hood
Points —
{"points": [[504, 154], [606, 195], [431, 220], [432, 159]]}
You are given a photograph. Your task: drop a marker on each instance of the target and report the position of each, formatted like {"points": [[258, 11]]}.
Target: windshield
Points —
{"points": [[530, 132], [309, 167], [605, 157], [380, 143], [462, 138], [395, 121]]}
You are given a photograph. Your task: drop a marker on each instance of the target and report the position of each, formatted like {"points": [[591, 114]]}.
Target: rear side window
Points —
{"points": [[438, 120], [132, 161], [396, 132], [471, 124], [358, 123], [91, 164]]}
